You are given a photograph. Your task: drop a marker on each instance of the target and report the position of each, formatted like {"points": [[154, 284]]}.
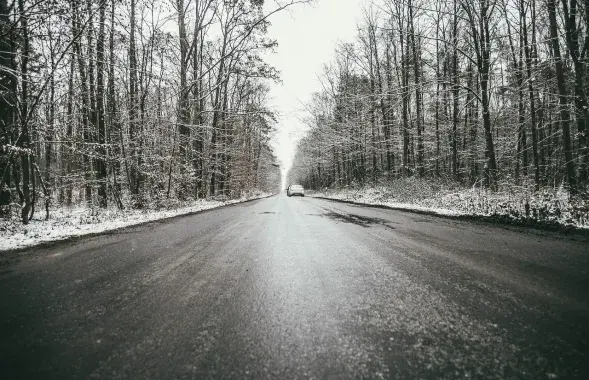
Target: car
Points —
{"points": [[295, 190]]}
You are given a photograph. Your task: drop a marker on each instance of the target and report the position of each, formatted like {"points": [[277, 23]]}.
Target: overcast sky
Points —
{"points": [[306, 37]]}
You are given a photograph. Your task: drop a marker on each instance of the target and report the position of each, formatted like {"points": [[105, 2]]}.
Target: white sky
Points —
{"points": [[306, 35]]}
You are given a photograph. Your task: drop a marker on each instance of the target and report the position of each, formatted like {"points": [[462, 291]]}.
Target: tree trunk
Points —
{"points": [[482, 45], [183, 110], [134, 135], [455, 93], [101, 158], [417, 82], [24, 111], [529, 63], [580, 65], [562, 96]]}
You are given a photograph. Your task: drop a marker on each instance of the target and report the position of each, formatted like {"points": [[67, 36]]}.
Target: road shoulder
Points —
{"points": [[519, 225]]}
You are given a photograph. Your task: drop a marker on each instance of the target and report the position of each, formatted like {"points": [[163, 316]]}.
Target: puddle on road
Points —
{"points": [[421, 220], [358, 220]]}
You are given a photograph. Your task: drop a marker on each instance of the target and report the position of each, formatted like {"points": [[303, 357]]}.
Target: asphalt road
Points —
{"points": [[299, 288]]}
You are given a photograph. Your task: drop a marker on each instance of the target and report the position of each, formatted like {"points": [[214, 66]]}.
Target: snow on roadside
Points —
{"points": [[370, 197], [553, 207], [77, 221]]}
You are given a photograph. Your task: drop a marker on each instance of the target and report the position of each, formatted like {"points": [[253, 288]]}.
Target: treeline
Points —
{"points": [[133, 103], [484, 92]]}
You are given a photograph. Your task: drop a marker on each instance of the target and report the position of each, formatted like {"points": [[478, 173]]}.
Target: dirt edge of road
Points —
{"points": [[519, 225]]}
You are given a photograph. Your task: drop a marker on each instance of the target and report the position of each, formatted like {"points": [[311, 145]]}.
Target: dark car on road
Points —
{"points": [[295, 190]]}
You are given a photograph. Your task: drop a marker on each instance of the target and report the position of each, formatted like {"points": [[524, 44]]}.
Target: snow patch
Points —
{"points": [[66, 222], [551, 206]]}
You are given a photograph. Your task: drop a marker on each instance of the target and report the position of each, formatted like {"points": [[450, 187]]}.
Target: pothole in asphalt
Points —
{"points": [[269, 212]]}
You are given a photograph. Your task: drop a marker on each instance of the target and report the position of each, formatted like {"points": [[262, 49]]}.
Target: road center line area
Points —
{"points": [[288, 288]]}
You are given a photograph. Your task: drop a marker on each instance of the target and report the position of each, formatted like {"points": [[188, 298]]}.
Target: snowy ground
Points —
{"points": [[77, 221], [552, 207]]}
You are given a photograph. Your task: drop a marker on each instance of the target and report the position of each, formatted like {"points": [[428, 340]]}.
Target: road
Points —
{"points": [[291, 288]]}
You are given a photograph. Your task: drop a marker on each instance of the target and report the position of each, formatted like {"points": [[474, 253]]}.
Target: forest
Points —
{"points": [[133, 104], [486, 94]]}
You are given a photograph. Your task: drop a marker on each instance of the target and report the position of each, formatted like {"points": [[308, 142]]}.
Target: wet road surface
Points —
{"points": [[299, 288]]}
